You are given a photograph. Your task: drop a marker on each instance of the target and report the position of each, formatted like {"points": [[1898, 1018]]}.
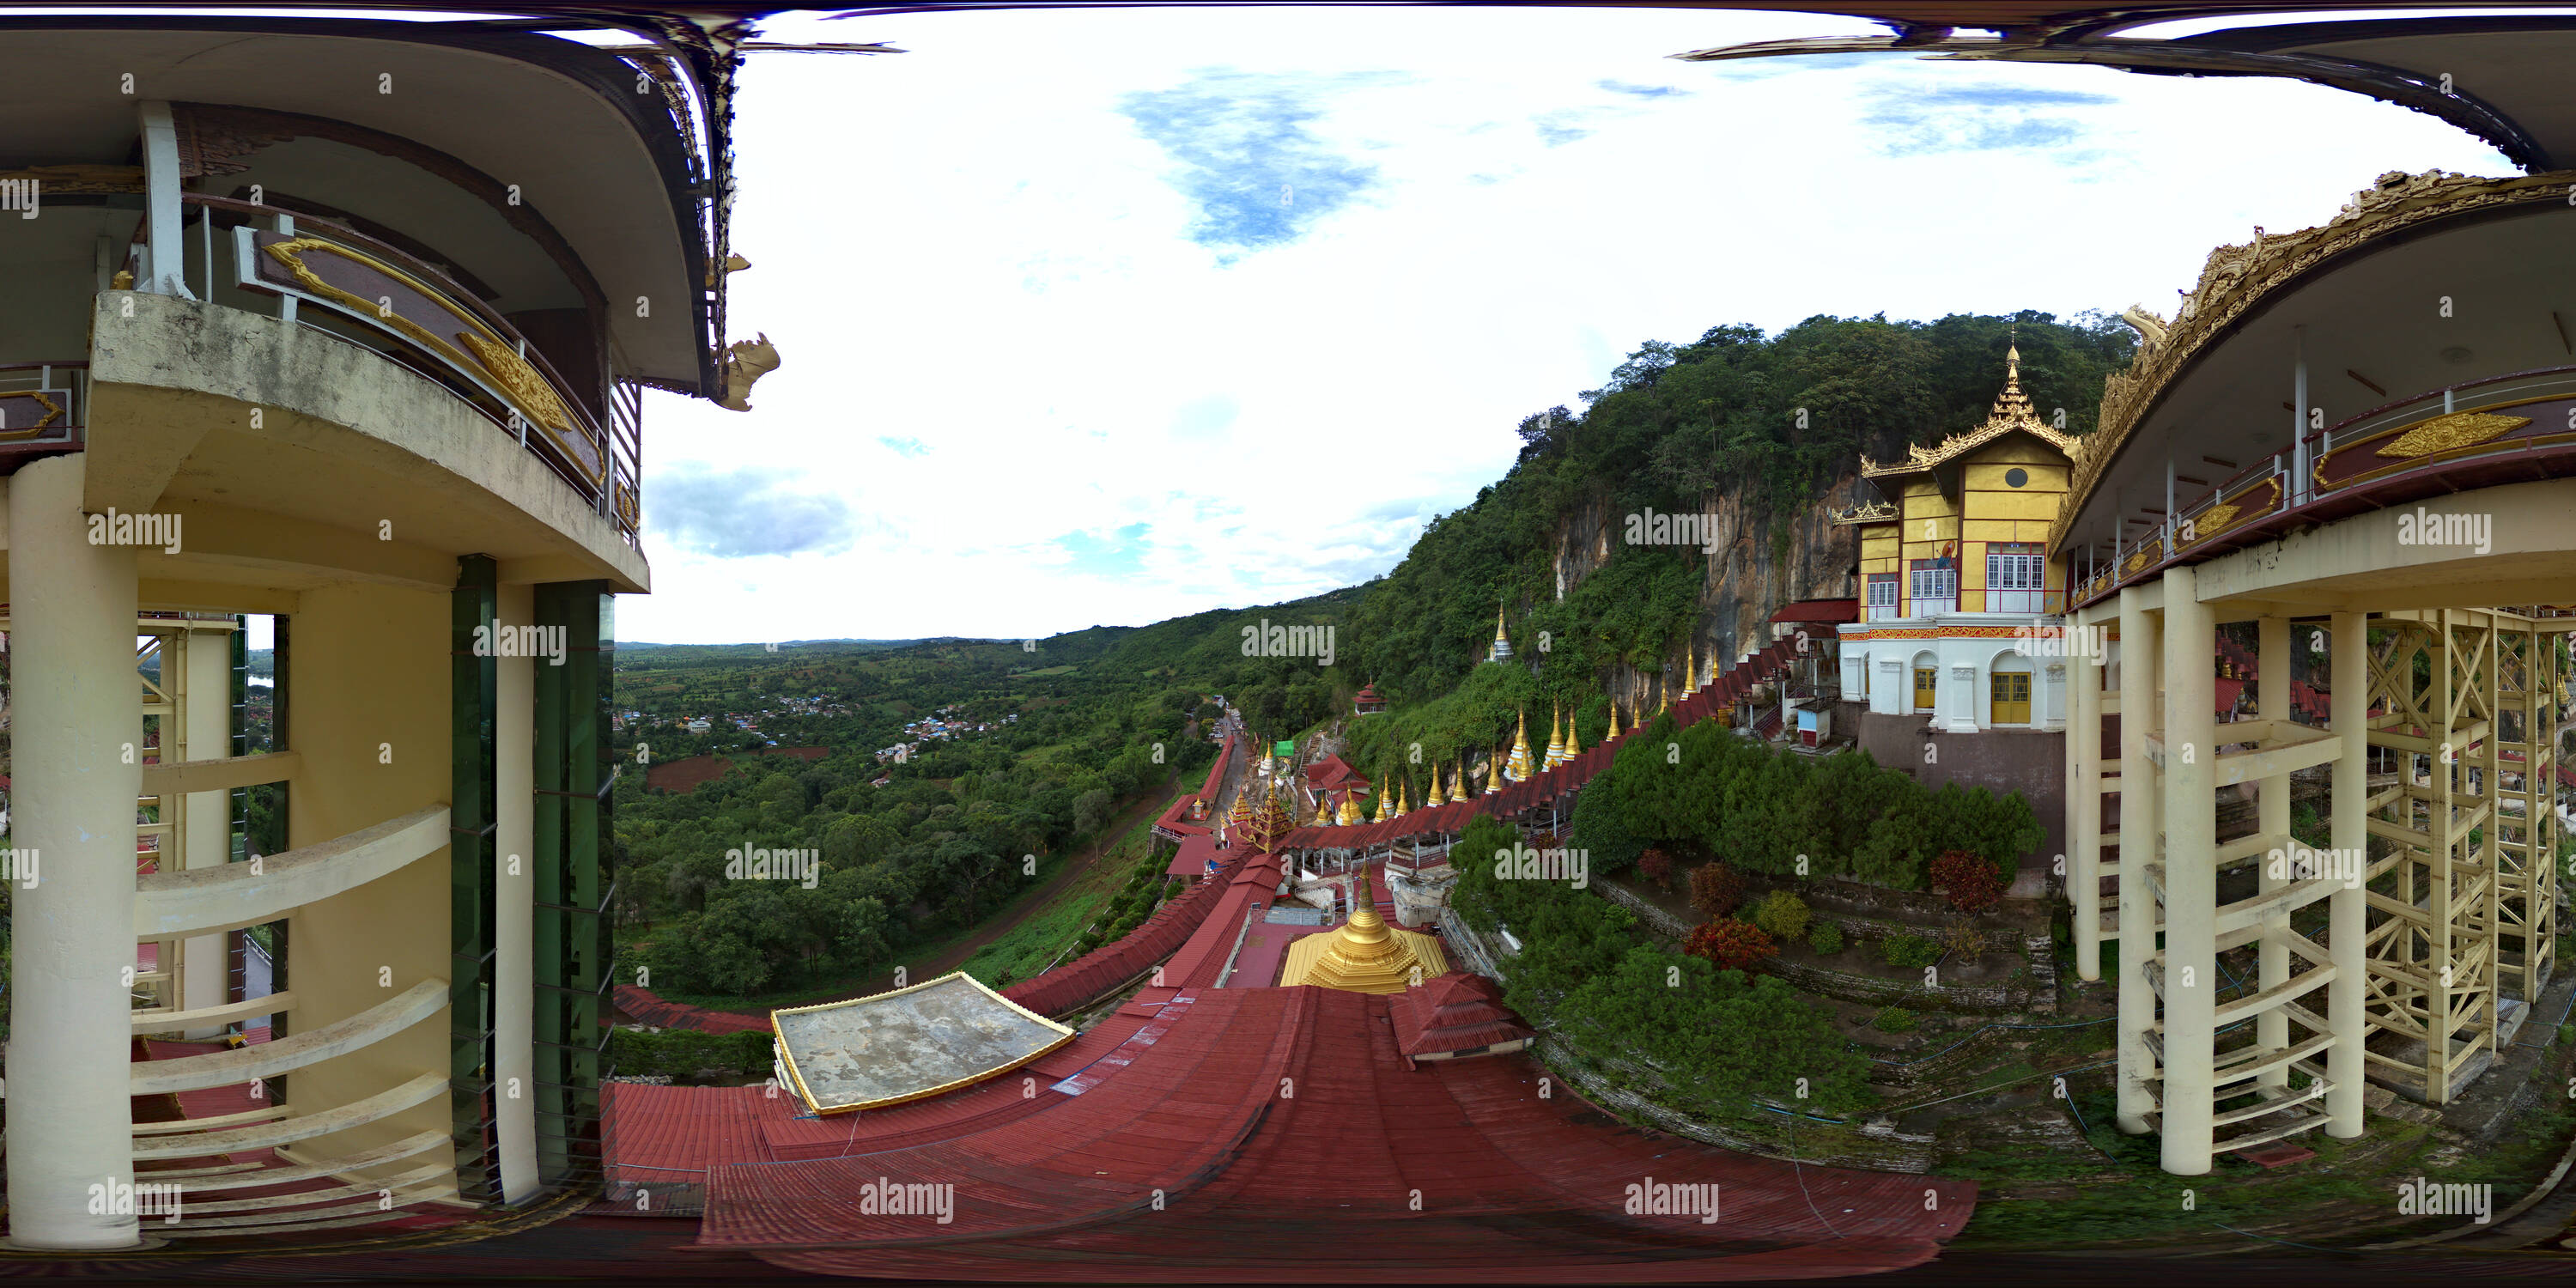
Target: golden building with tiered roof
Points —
{"points": [[1956, 582]]}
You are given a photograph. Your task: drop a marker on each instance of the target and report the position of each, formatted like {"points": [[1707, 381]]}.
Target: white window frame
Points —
{"points": [[1936, 590], [2016, 581], [1882, 607]]}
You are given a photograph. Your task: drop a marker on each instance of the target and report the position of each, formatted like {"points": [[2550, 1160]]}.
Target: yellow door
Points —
{"points": [[2011, 693], [1923, 695]]}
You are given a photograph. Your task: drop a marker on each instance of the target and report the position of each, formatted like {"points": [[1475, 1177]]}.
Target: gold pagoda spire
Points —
{"points": [[1385, 798], [1434, 798], [1494, 773], [1614, 721], [1555, 737], [2012, 403], [1349, 814], [1573, 748], [1518, 768], [1690, 668], [1403, 803]]}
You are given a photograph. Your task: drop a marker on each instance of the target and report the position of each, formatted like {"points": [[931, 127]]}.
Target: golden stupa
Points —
{"points": [[1365, 955], [1349, 814], [1573, 748], [1403, 802], [1555, 736], [1518, 768], [1494, 773], [1690, 669], [1385, 799], [1614, 721], [1434, 798], [1323, 813]]}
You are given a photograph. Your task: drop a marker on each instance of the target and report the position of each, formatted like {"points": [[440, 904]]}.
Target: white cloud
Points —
{"points": [[1048, 396]]}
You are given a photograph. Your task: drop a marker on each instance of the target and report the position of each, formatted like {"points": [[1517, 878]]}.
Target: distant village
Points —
{"points": [[940, 724]]}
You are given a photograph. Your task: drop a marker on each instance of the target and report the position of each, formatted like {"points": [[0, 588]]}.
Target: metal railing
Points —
{"points": [[379, 297], [2278, 482]]}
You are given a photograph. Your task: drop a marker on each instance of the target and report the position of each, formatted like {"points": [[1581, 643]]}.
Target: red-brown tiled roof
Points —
{"points": [[1454, 1012]]}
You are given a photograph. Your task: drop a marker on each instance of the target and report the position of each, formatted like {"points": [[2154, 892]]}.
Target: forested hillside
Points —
{"points": [[1763, 427], [1043, 746]]}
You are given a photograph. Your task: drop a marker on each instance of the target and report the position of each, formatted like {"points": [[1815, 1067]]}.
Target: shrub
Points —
{"points": [[1964, 941], [1783, 914], [1970, 881], [1602, 832], [1656, 866], [2567, 1035], [1826, 939], [1893, 1019], [1907, 951], [1716, 890], [1732, 944]]}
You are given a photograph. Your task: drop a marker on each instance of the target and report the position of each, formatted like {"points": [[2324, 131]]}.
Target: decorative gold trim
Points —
{"points": [[1864, 512], [519, 382], [2317, 470], [53, 412], [518, 386], [787, 1057], [2237, 279], [2209, 523], [2443, 433]]}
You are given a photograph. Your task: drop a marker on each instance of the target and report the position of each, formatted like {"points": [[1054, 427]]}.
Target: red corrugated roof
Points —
{"points": [[1826, 612], [1085, 980], [1191, 859], [1460, 1170], [1333, 773], [1455, 1012]]}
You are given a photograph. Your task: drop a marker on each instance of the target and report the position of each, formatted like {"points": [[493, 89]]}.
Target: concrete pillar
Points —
{"points": [[2139, 677], [78, 733], [2190, 873], [2084, 814], [1965, 701], [205, 819], [2346, 924], [514, 910], [2272, 815]]}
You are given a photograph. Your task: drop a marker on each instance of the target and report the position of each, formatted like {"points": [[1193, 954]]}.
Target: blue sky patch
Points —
{"points": [[1254, 173]]}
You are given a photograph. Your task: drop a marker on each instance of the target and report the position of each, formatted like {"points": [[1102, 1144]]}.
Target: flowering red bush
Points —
{"points": [[1655, 866], [1716, 890], [1732, 944], [1968, 880]]}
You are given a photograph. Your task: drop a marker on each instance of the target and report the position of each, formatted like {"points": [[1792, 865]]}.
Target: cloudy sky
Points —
{"points": [[1108, 316]]}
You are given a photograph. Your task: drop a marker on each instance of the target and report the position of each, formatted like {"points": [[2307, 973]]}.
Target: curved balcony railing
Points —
{"points": [[2389, 454], [364, 291]]}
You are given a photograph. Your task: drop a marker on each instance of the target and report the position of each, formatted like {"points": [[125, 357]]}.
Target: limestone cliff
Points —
{"points": [[1763, 559]]}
